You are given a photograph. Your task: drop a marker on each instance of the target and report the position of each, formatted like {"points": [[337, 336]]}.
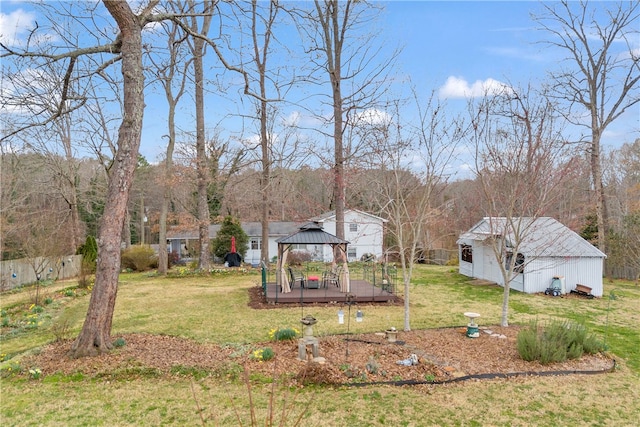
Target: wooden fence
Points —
{"points": [[616, 272], [18, 272]]}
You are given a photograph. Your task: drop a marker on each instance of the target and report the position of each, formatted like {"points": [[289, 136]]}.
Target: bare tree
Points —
{"points": [[262, 23], [623, 184], [600, 80], [35, 221], [413, 159], [127, 50], [521, 164], [34, 95], [96, 330], [345, 54], [171, 71], [197, 46]]}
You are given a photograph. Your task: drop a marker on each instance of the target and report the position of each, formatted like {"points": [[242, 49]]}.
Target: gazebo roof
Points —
{"points": [[311, 233]]}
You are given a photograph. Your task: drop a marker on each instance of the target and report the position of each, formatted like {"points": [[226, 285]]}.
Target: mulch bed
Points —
{"points": [[443, 354]]}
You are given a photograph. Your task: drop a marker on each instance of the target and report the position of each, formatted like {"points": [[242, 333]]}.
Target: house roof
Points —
{"points": [[541, 237], [253, 229], [332, 214], [311, 233]]}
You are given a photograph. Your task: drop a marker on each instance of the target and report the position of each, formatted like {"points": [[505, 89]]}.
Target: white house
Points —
{"points": [[544, 249], [362, 230]]}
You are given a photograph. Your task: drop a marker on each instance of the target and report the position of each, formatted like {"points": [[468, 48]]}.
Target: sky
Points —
{"points": [[453, 48]]}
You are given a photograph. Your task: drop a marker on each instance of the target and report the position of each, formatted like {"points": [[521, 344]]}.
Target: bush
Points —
{"points": [[592, 345], [89, 252], [556, 342], [283, 334], [527, 343], [173, 258], [263, 354], [139, 258], [298, 257], [221, 245]]}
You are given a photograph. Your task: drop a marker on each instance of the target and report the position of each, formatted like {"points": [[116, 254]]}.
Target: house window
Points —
{"points": [[352, 254], [466, 253], [518, 266], [353, 228], [256, 243]]}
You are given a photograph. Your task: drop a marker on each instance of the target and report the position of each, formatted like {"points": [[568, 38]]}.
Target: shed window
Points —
{"points": [[352, 254], [466, 253], [353, 227], [518, 266]]}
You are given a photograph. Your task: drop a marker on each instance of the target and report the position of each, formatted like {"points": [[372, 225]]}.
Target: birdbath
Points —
{"points": [[307, 323], [391, 334], [472, 327], [307, 338]]}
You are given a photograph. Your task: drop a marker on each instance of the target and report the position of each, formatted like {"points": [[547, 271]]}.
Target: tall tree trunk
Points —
{"points": [[95, 336], [336, 83], [167, 173], [339, 186], [71, 177], [167, 77], [202, 164], [504, 319], [265, 178], [204, 217], [596, 174]]}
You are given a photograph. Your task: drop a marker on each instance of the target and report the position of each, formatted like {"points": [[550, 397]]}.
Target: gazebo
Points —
{"points": [[312, 234]]}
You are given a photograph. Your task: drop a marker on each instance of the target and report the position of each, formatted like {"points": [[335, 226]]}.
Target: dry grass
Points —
{"points": [[215, 310], [595, 400]]}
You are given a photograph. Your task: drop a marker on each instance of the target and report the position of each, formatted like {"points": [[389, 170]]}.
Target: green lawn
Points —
{"points": [[214, 309]]}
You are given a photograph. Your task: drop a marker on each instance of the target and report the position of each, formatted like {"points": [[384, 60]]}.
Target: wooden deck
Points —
{"points": [[361, 289]]}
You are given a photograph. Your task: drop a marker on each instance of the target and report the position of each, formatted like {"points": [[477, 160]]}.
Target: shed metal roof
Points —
{"points": [[542, 237], [253, 229]]}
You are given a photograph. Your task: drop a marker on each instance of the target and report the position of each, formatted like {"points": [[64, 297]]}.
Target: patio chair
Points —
{"points": [[330, 277], [296, 276]]}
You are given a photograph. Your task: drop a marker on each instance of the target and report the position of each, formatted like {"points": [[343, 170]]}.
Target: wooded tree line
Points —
{"points": [[75, 97], [39, 220]]}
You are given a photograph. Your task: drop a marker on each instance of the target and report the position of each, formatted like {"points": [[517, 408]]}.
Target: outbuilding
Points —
{"points": [[543, 249]]}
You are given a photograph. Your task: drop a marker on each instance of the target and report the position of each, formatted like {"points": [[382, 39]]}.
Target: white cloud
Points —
{"points": [[633, 53], [457, 87], [15, 26], [373, 117], [293, 119]]}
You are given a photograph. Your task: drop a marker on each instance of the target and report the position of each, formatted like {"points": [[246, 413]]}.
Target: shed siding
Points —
{"points": [[518, 282], [466, 268], [490, 267], [539, 273], [585, 268]]}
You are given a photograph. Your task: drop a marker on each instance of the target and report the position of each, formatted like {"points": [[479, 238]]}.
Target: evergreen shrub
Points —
{"points": [[556, 342]]}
